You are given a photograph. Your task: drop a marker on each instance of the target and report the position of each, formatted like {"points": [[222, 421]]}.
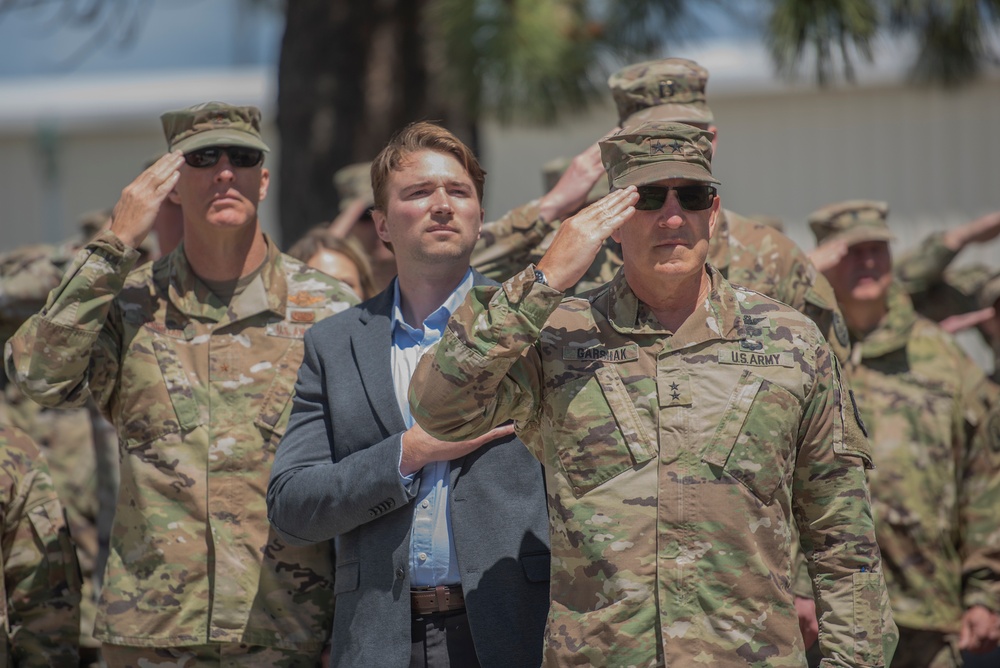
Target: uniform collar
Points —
{"points": [[268, 292], [718, 246], [893, 331], [718, 317]]}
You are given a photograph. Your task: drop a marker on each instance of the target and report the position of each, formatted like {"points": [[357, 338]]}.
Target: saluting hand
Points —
{"points": [[826, 256], [136, 210], [980, 630], [579, 238]]}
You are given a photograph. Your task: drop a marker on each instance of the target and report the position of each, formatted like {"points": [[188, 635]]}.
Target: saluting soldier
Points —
{"points": [[193, 359], [685, 424], [935, 430]]}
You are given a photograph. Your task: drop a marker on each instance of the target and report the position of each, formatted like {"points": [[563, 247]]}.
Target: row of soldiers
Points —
{"points": [[155, 429]]}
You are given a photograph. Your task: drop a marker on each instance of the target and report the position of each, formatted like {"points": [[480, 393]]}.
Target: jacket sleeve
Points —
{"points": [[923, 267], [979, 489], [40, 569], [832, 506], [70, 348], [485, 370], [507, 245], [313, 496]]}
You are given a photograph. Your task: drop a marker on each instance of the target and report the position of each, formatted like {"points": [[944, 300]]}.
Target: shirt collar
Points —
{"points": [[439, 318]]}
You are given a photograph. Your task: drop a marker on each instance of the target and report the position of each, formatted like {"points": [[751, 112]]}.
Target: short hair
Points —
{"points": [[422, 136], [319, 238]]}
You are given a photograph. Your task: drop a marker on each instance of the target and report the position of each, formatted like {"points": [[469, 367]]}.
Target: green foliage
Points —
{"points": [[825, 26], [538, 59], [951, 35]]}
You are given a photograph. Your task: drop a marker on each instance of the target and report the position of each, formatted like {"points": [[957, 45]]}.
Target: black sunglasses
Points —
{"points": [[691, 198], [239, 156]]}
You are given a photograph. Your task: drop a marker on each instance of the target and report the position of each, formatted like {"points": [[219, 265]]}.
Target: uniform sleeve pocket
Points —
{"points": [[49, 525], [868, 591], [755, 438]]}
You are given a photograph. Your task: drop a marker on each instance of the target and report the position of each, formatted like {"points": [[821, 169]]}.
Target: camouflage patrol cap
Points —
{"points": [[853, 221], [672, 89], [212, 124], [553, 170], [656, 151], [354, 182]]}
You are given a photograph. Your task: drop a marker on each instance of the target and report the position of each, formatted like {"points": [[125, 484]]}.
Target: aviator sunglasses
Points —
{"points": [[691, 198], [239, 156]]}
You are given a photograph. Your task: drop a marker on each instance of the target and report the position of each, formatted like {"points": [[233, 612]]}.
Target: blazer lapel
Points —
{"points": [[371, 346]]}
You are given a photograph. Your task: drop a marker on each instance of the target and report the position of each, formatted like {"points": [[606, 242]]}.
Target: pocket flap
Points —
{"points": [[537, 567], [346, 578]]}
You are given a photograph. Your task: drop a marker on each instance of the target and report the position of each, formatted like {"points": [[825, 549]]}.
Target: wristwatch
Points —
{"points": [[540, 277]]}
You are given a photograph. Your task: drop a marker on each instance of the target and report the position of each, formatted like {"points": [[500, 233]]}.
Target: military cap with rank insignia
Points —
{"points": [[672, 89], [655, 151]]}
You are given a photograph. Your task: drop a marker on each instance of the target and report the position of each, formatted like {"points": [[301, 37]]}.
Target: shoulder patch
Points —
{"points": [[627, 353], [857, 413], [840, 329]]}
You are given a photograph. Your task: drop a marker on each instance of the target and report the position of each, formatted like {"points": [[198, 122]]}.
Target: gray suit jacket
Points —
{"points": [[336, 476]]}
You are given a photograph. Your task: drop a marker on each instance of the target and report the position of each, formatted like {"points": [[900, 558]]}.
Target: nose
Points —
{"points": [[224, 169], [440, 201], [671, 213]]}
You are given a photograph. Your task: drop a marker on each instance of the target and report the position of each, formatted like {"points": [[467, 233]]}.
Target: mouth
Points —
{"points": [[442, 228]]}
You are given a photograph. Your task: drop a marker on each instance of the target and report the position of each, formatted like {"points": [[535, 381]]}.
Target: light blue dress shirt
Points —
{"points": [[432, 547]]}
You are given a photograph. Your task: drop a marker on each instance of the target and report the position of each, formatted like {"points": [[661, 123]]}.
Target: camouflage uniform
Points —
{"points": [[200, 394], [670, 524], [927, 408], [937, 291], [40, 600], [937, 487], [83, 464]]}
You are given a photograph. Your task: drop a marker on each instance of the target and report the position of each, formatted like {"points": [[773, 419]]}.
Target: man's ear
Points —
{"points": [[482, 217], [378, 217], [265, 182], [714, 217]]}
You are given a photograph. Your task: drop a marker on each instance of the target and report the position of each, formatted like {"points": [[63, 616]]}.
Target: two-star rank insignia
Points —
{"points": [[674, 389]]}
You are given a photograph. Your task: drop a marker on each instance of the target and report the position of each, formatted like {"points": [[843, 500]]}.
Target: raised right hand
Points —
{"points": [[578, 239], [136, 210]]}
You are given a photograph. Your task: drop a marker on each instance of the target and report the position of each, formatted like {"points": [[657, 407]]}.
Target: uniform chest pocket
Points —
{"points": [[277, 404], [157, 395], [755, 440], [595, 415]]}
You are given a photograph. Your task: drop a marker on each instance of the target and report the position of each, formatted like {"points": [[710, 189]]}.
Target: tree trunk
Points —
{"points": [[351, 73]]}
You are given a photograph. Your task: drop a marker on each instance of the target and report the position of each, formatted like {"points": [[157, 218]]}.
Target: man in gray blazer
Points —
{"points": [[442, 550]]}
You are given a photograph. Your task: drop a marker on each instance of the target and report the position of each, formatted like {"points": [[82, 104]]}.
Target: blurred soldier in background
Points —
{"points": [[40, 593], [934, 425]]}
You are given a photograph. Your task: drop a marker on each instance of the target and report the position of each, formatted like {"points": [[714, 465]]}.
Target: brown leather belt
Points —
{"points": [[432, 600]]}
